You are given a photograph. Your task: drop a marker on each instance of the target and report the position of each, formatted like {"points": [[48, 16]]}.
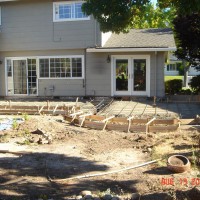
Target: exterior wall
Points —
{"points": [[62, 87], [97, 80], [98, 73], [159, 73], [28, 25]]}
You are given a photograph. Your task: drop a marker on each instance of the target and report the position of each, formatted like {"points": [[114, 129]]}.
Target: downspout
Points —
{"points": [[95, 32], [155, 81], [84, 80]]}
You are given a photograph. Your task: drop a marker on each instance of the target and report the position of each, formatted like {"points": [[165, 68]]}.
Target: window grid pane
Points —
{"points": [[61, 67], [78, 11], [76, 67], [65, 11], [68, 11], [44, 68], [9, 68]]}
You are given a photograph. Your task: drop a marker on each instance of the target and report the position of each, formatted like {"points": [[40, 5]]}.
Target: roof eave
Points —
{"points": [[90, 50]]}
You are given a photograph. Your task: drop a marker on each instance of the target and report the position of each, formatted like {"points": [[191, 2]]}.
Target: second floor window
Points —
{"points": [[67, 11]]}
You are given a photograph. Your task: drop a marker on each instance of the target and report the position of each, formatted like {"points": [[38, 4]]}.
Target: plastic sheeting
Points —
{"points": [[6, 124]]}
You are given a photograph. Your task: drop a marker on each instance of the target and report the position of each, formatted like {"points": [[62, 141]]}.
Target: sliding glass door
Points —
{"points": [[21, 77]]}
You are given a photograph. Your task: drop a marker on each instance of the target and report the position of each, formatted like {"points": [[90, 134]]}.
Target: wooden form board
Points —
{"points": [[190, 121], [34, 110], [133, 121], [120, 124]]}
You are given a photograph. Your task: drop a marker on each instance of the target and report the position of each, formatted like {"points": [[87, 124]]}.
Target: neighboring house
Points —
{"points": [[171, 67], [173, 64], [50, 48]]}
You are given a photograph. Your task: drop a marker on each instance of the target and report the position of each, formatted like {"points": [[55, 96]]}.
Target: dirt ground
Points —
{"points": [[52, 149]]}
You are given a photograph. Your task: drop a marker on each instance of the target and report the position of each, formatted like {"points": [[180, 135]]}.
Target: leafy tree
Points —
{"points": [[187, 34], [154, 17], [121, 15], [115, 15], [183, 7], [195, 83]]}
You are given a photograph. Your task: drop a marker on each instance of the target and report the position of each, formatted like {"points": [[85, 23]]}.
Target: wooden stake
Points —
{"points": [[75, 114], [41, 109], [48, 104], [129, 123], [55, 109], [147, 125], [106, 121]]}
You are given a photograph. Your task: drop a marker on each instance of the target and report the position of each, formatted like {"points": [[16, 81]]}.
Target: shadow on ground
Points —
{"points": [[159, 171], [26, 177]]}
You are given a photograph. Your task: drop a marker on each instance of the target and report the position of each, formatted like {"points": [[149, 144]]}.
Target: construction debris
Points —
{"points": [[43, 138]]}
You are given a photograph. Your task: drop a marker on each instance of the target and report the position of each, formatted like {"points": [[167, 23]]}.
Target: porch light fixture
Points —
{"points": [[108, 59]]}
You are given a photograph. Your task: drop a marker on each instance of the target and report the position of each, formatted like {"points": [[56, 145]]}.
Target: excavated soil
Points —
{"points": [[37, 154]]}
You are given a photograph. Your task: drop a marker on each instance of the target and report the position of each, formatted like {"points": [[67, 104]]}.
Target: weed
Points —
{"points": [[195, 158], [19, 134], [27, 132], [25, 142], [43, 196], [161, 152], [25, 116], [15, 124], [101, 194]]}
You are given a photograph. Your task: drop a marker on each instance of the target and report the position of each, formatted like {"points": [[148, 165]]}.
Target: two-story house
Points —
{"points": [[50, 48]]}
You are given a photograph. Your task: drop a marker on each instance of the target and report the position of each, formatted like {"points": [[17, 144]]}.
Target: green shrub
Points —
{"points": [[173, 86], [195, 84], [186, 91]]}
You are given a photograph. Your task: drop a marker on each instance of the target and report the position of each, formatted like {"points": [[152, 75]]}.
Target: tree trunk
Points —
{"points": [[186, 69]]}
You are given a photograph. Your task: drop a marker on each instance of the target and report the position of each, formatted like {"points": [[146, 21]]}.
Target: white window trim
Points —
{"points": [[130, 64], [71, 19], [48, 57], [71, 56], [6, 73]]}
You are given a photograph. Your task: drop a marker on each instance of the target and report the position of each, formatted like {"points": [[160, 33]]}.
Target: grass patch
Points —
{"points": [[161, 152], [167, 78]]}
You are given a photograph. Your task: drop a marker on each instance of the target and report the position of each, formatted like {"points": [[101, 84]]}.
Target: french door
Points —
{"points": [[131, 75], [21, 76]]}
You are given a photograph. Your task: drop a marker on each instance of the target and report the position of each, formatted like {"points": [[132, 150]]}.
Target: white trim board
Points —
{"points": [[99, 50]]}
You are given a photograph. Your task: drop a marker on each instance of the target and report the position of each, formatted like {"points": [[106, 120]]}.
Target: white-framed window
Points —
{"points": [[172, 67], [61, 67], [68, 11]]}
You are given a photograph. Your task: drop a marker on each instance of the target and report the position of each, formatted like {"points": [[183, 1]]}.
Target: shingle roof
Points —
{"points": [[142, 38]]}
